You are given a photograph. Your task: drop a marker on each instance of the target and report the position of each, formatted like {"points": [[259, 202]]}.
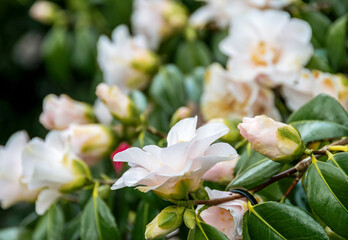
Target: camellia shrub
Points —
{"points": [[213, 120]]}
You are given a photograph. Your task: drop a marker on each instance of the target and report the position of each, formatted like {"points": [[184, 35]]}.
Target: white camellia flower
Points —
{"points": [[276, 140], [223, 97], [222, 12], [343, 91], [157, 19], [52, 167], [267, 46], [226, 217], [176, 170], [309, 85], [91, 142], [126, 61], [12, 190], [59, 112]]}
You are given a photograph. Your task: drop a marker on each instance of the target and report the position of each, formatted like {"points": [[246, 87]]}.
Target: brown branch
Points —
{"points": [[156, 132], [300, 167], [291, 187]]}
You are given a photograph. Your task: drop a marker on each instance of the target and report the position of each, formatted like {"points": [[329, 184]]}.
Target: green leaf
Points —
{"points": [[72, 228], [56, 54], [248, 158], [272, 220], [141, 220], [245, 227], [326, 187], [15, 233], [97, 221], [194, 84], [217, 38], [255, 174], [313, 130], [168, 89], [336, 42], [340, 160], [50, 226], [192, 54], [322, 107], [319, 24], [318, 62], [205, 231], [139, 100], [340, 7]]}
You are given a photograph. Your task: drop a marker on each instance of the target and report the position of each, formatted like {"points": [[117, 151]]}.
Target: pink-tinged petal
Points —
{"points": [[45, 199], [130, 178], [183, 131], [221, 219]]}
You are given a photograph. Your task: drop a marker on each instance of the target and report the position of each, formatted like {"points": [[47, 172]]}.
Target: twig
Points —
{"points": [[300, 167], [291, 187], [156, 132]]}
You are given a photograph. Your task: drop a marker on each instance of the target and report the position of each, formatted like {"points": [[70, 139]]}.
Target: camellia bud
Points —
{"points": [[44, 11], [180, 113], [190, 218], [59, 112], [119, 105], [175, 16], [165, 222], [277, 141], [91, 142], [233, 135]]}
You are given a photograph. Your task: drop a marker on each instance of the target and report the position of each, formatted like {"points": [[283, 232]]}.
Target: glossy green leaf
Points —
{"points": [[194, 84], [256, 174], [340, 160], [139, 100], [206, 232], [97, 221], [326, 187], [273, 220], [168, 89], [51, 225], [247, 158], [322, 107], [340, 7], [336, 42], [192, 54], [313, 130], [141, 220], [319, 24], [245, 227]]}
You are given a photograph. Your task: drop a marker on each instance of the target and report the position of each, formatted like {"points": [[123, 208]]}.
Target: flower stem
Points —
{"points": [[291, 187]]}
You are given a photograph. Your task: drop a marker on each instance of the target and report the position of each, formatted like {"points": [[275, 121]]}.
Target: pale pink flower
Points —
{"points": [[275, 140], [59, 112], [226, 217], [222, 172]]}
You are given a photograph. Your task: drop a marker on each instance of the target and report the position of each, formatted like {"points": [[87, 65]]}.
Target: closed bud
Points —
{"points": [[119, 104], [165, 222], [180, 114], [190, 218], [233, 135], [175, 16], [59, 112], [277, 141], [44, 11]]}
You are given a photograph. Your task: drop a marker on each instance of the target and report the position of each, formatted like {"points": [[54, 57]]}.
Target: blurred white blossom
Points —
{"points": [[119, 104], [176, 170], [309, 85], [157, 19], [12, 190], [52, 167], [223, 97], [44, 11], [59, 112], [267, 46], [126, 61], [90, 142], [102, 113], [222, 12]]}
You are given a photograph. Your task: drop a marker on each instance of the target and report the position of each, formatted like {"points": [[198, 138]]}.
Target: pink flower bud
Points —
{"points": [[59, 112], [119, 165], [277, 141]]}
